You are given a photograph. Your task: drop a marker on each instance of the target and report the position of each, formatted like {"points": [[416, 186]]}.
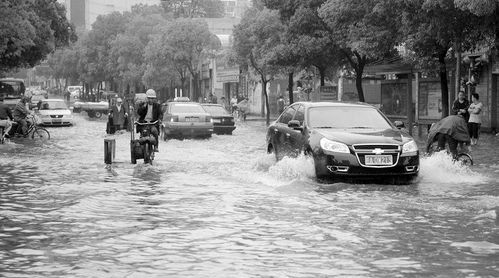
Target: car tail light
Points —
{"points": [[174, 119], [208, 119]]}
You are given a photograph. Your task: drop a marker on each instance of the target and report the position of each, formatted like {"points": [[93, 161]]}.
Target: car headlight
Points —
{"points": [[333, 146], [410, 147]]}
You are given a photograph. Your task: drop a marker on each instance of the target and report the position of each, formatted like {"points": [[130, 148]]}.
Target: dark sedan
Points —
{"points": [[350, 140], [223, 121]]}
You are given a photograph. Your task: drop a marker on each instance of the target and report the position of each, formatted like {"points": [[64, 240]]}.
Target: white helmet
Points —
{"points": [[151, 93]]}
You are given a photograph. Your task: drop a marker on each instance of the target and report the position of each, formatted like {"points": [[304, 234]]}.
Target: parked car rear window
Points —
{"points": [[346, 117], [215, 110], [187, 108]]}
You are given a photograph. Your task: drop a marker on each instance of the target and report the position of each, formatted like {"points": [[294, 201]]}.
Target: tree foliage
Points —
{"points": [[431, 29], [30, 30], [363, 30], [255, 39], [193, 8]]}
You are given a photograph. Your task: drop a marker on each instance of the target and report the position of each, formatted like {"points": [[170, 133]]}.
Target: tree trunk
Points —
{"points": [[267, 105], [322, 72], [195, 86], [290, 87], [443, 84], [359, 71], [457, 47]]}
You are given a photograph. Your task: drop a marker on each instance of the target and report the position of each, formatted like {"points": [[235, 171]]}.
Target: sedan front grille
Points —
{"points": [[363, 150], [56, 116]]}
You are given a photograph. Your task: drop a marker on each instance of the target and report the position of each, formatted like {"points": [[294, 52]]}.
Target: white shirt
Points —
{"points": [[475, 113], [148, 117]]}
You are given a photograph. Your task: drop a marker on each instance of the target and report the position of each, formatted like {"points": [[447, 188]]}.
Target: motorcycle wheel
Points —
{"points": [[146, 150], [132, 153]]}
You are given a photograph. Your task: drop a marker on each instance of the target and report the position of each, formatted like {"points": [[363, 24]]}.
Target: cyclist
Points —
{"points": [[149, 112], [452, 130], [5, 118], [20, 114]]}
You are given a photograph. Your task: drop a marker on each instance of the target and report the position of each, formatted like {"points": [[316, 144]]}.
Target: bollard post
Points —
{"points": [[109, 150]]}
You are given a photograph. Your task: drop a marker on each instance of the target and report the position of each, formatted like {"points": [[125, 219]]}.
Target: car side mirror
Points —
{"points": [[399, 124], [296, 125]]}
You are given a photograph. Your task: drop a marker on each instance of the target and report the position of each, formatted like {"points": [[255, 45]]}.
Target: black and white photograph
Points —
{"points": [[249, 138]]}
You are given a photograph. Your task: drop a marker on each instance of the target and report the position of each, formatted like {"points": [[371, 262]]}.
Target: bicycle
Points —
{"points": [[463, 155], [34, 130], [143, 148]]}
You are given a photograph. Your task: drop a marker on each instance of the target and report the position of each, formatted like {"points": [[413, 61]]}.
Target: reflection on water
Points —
{"points": [[224, 208]]}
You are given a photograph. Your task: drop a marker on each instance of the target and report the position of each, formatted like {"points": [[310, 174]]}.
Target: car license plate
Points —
{"points": [[191, 119], [57, 120], [379, 160]]}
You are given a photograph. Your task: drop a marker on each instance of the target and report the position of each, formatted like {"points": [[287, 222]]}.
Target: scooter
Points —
{"points": [[142, 148]]}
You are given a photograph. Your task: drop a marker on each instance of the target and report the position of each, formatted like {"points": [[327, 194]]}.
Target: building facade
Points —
{"points": [[83, 13]]}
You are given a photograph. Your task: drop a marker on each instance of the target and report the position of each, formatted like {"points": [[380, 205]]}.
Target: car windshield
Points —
{"points": [[343, 117], [187, 108], [53, 105], [215, 110]]}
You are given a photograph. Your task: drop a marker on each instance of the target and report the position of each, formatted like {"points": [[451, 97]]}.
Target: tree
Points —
{"points": [[30, 30], [306, 34], [161, 65], [128, 48], [95, 48], [255, 40], [432, 28], [364, 31], [64, 63], [188, 42], [194, 8]]}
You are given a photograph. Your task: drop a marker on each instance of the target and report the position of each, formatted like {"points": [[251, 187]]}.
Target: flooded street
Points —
{"points": [[224, 208]]}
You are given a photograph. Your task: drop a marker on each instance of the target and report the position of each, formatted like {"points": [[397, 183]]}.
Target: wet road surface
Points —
{"points": [[223, 208]]}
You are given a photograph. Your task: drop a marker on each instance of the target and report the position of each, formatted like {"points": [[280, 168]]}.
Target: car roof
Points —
{"points": [[335, 104], [211, 104], [53, 99], [183, 102]]}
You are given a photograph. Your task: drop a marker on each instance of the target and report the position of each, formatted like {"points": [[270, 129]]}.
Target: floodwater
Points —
{"points": [[224, 208]]}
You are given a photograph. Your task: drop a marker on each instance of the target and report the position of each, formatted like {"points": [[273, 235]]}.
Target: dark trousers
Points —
{"points": [[474, 129], [443, 138]]}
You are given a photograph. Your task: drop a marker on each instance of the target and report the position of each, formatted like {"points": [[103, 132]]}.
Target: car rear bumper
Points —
{"points": [[192, 130], [223, 128]]}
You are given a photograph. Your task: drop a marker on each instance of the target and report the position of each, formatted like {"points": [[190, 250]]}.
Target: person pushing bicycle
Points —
{"points": [[452, 130]]}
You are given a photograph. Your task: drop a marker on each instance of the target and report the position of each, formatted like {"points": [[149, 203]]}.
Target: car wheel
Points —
{"points": [[98, 114], [272, 150], [321, 171]]}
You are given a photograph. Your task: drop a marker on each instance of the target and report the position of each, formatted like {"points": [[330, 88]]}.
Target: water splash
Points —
{"points": [[440, 168], [301, 167]]}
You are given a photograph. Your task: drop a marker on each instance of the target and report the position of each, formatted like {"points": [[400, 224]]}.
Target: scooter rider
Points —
{"points": [[5, 118], [150, 112]]}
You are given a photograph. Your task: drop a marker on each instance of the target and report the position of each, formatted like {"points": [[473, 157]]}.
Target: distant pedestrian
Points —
{"points": [[223, 102], [118, 116], [214, 99], [280, 104], [461, 105], [475, 121], [233, 104]]}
